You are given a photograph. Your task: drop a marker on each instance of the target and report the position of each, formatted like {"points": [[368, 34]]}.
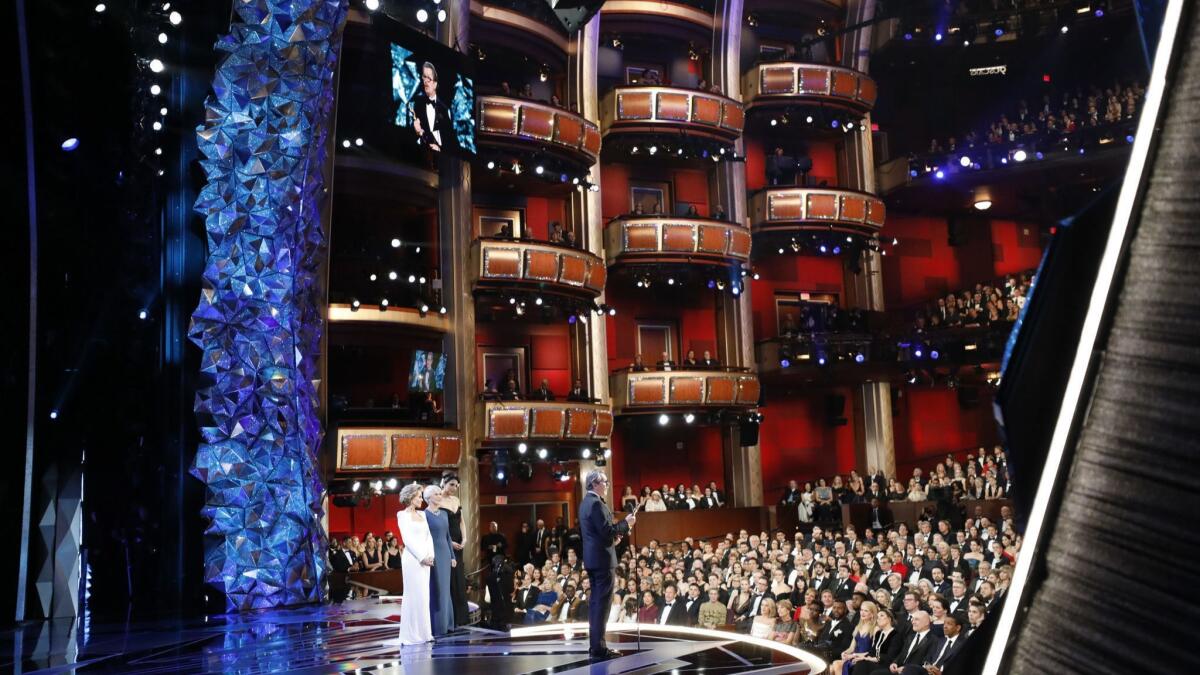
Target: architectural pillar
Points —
{"points": [[874, 440], [454, 234]]}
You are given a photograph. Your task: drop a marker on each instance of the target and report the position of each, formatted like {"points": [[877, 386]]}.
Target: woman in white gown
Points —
{"points": [[416, 561]]}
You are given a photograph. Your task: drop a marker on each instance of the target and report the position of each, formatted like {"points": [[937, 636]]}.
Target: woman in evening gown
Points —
{"points": [[458, 576], [416, 562], [441, 608]]}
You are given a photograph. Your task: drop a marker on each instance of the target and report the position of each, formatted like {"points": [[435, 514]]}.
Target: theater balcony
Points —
{"points": [[529, 26], [789, 84], [667, 112], [662, 391], [511, 123], [641, 240], [502, 265], [777, 212], [365, 450], [550, 422], [685, 20]]}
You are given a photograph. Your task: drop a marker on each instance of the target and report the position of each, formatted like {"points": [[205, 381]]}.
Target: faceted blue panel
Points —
{"points": [[258, 321]]}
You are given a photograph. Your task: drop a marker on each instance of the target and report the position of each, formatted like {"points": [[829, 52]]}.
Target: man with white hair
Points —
{"points": [[599, 557]]}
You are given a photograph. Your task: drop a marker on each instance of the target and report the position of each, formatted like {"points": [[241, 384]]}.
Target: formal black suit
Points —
{"points": [[541, 394], [676, 613], [599, 558], [837, 633], [341, 560], [790, 496], [527, 598], [820, 585], [945, 649], [883, 514], [578, 394], [910, 658], [441, 132], [693, 610]]}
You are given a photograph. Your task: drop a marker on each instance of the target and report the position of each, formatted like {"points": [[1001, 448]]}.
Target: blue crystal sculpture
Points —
{"points": [[259, 322]]}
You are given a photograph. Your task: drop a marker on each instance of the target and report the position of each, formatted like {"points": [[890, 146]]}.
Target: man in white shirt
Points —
{"points": [[673, 611], [431, 116]]}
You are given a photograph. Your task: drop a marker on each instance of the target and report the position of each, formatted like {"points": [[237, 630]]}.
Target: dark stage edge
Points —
{"points": [[362, 636]]}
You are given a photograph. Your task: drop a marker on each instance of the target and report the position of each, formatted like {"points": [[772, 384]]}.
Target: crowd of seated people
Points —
{"points": [[557, 234], [369, 554], [510, 391], [998, 302], [718, 212], [859, 599], [982, 476], [679, 499], [1056, 117], [667, 364]]}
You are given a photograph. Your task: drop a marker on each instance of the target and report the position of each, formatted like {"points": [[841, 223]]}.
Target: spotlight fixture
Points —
{"points": [[964, 161], [412, 278], [859, 357], [162, 38], [356, 486], [933, 354], [607, 453], [53, 414], [522, 448], [142, 314], [664, 420], [939, 174], [983, 204], [157, 66], [100, 8], [586, 453], [155, 90], [354, 305], [538, 301], [346, 143], [396, 243], [441, 15], [372, 5], [175, 18], [1065, 29], [392, 483], [70, 144], [422, 15], [1020, 156], [539, 170], [491, 165], [442, 310], [424, 309], [689, 418], [543, 453], [653, 149], [358, 142], [383, 304]]}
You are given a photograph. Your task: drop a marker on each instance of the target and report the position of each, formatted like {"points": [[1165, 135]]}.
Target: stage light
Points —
{"points": [[918, 353], [850, 126], [781, 250], [424, 309], [939, 174], [586, 453], [824, 249], [756, 276], [442, 310], [593, 188], [809, 119], [522, 448], [354, 305], [158, 152], [392, 483], [142, 314], [664, 420], [372, 5], [543, 453], [377, 485], [356, 486], [1129, 138], [100, 8], [612, 311], [1004, 160], [162, 38], [837, 250], [679, 151], [1099, 12], [383, 304], [155, 90], [933, 354], [157, 126], [671, 281], [538, 301], [396, 243], [1038, 155], [784, 363], [422, 15], [157, 66], [607, 453], [859, 357], [175, 18], [712, 283], [53, 414], [421, 280], [358, 142], [998, 32], [774, 121], [491, 165], [820, 359], [70, 144], [908, 36], [912, 379], [346, 143], [966, 43], [1065, 29], [834, 124], [653, 149], [412, 278], [736, 290], [937, 36], [441, 15], [539, 170], [1020, 156], [498, 474], [689, 418], [983, 204], [964, 161]]}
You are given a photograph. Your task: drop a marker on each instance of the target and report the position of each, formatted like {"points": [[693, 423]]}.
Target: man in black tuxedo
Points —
{"points": [[941, 585], [819, 581], [791, 495], [541, 535], [341, 559], [599, 557], [431, 115], [692, 603], [578, 393], [940, 654], [914, 652], [666, 363], [673, 611], [707, 361], [542, 393], [838, 631], [718, 494], [881, 516]]}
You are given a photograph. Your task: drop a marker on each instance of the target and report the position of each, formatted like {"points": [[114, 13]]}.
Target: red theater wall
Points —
{"points": [[548, 348], [928, 423], [798, 443], [646, 454], [693, 313], [791, 273]]}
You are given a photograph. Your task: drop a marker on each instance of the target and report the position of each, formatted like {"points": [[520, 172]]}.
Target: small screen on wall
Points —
{"points": [[433, 100], [428, 371]]}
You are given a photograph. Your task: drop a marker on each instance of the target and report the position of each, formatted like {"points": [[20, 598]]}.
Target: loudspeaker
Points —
{"points": [[573, 14], [956, 231], [835, 405], [968, 397], [749, 433]]}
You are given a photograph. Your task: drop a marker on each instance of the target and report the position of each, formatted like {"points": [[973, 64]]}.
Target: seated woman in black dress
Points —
{"points": [[391, 555]]}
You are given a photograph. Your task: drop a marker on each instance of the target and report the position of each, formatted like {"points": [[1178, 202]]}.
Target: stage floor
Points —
{"points": [[361, 636]]}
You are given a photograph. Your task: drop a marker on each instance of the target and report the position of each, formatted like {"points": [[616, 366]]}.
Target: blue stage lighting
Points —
{"points": [[859, 357], [933, 354], [784, 363], [939, 174], [70, 144]]}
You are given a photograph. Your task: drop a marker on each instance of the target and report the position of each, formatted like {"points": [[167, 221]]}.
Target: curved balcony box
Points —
{"points": [[511, 263], [658, 391], [658, 110], [509, 122], [379, 449], [658, 239], [816, 209], [772, 84], [509, 422]]}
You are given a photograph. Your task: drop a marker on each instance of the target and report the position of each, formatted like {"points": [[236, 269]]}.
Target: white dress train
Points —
{"points": [[415, 626]]}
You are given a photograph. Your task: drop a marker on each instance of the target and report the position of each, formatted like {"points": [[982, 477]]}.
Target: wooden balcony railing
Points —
{"points": [[791, 83], [658, 390], [655, 109], [507, 120], [367, 449], [550, 421], [500, 263], [803, 209], [645, 239]]}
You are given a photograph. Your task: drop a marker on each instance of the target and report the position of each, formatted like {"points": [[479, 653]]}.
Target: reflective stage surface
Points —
{"points": [[362, 636]]}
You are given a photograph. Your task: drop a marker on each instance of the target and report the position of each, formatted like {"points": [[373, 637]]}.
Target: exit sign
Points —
{"points": [[501, 499]]}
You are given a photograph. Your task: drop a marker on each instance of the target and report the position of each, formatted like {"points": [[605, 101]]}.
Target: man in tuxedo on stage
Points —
{"points": [[599, 557], [431, 115]]}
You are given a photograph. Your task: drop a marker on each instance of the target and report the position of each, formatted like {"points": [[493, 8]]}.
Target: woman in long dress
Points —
{"points": [[441, 607], [417, 559], [458, 577]]}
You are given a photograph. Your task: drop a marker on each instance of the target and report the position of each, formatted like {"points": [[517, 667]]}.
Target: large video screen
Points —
{"points": [[428, 371], [432, 98]]}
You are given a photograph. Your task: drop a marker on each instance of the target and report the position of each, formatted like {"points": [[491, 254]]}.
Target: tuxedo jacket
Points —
{"points": [[919, 655], [441, 122], [838, 633], [527, 598], [678, 613], [693, 612]]}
